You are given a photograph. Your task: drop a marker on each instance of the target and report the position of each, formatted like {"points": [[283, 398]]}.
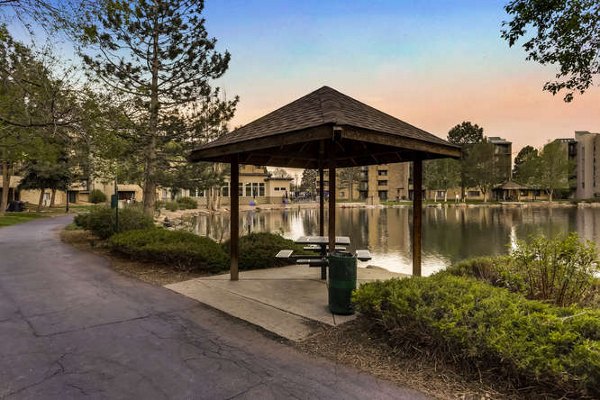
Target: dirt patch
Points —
{"points": [[358, 345], [153, 273]]}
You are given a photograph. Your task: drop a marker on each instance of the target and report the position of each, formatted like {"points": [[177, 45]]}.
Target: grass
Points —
{"points": [[9, 218]]}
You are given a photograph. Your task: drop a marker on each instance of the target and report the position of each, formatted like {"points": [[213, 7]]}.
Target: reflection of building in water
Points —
{"points": [[588, 224]]}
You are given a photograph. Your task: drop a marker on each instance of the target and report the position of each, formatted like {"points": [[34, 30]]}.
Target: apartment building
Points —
{"points": [[385, 182], [588, 168]]}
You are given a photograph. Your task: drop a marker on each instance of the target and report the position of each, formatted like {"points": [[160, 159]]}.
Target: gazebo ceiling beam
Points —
{"points": [[367, 136]]}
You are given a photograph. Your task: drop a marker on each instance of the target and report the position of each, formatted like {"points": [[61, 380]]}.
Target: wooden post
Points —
{"points": [[417, 215], [234, 217], [331, 205], [331, 224], [321, 190]]}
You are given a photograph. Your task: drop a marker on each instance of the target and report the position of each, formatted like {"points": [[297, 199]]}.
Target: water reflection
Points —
{"points": [[449, 234]]}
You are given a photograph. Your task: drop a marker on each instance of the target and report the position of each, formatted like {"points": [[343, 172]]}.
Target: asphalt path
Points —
{"points": [[71, 327]]}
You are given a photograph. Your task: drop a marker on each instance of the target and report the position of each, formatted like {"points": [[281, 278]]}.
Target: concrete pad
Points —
{"points": [[286, 301]]}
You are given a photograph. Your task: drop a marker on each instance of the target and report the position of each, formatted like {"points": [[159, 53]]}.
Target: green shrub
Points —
{"points": [[158, 204], [559, 270], [187, 203], [172, 206], [97, 196], [258, 250], [182, 250], [102, 220], [483, 326], [82, 220]]}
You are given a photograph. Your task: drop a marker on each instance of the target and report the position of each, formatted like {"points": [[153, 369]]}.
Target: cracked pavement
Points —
{"points": [[71, 327]]}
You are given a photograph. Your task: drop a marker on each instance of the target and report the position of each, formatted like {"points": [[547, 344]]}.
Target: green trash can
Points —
{"points": [[342, 281]]}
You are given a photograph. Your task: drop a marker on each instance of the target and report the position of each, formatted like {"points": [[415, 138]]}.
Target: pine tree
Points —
{"points": [[159, 55]]}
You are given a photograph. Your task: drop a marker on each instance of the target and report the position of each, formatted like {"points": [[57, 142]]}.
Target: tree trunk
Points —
{"points": [[446, 196], [41, 201], [5, 186], [435, 196], [150, 156], [53, 198]]}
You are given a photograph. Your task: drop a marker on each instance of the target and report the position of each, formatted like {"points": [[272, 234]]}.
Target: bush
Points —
{"points": [[183, 250], [488, 327], [187, 203], [560, 270], [97, 196], [101, 220], [82, 220], [172, 206], [258, 250]]}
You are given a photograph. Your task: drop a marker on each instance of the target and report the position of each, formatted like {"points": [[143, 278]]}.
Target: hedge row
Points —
{"points": [[101, 220], [182, 250], [258, 250], [490, 327], [188, 251]]}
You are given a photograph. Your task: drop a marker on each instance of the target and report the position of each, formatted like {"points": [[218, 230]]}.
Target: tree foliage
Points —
{"points": [[481, 168], [466, 133], [554, 167], [442, 174], [158, 55], [310, 177], [522, 161], [559, 32]]}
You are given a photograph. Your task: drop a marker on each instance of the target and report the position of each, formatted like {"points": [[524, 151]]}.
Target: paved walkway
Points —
{"points": [[286, 301], [70, 327]]}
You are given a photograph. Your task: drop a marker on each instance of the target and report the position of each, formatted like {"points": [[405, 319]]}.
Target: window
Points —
{"points": [[241, 189], [277, 189], [383, 195], [261, 189], [248, 190], [225, 191], [382, 172], [473, 193], [382, 183]]}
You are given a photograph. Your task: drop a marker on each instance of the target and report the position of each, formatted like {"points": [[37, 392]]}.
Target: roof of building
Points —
{"points": [[512, 185], [291, 136], [498, 140]]}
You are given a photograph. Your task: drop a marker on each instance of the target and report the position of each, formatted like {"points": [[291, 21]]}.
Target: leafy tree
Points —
{"points": [[526, 154], [350, 177], [309, 180], [159, 55], [442, 174], [47, 173], [481, 169], [561, 32], [554, 168], [465, 134], [35, 105]]}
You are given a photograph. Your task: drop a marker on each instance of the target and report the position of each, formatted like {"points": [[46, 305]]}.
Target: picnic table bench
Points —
{"points": [[319, 244]]}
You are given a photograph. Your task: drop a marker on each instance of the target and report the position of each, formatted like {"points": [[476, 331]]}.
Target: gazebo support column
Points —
{"points": [[321, 202], [234, 218], [417, 215], [321, 190], [331, 224]]}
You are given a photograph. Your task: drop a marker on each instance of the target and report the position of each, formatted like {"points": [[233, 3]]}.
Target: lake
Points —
{"points": [[450, 234]]}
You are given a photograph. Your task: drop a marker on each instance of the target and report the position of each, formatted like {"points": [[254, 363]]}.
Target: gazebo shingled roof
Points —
{"points": [[325, 129], [290, 136]]}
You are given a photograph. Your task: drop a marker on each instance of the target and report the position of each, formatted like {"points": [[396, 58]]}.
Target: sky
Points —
{"points": [[431, 63]]}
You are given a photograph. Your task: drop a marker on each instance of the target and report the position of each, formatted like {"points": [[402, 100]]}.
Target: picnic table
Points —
{"points": [[319, 244]]}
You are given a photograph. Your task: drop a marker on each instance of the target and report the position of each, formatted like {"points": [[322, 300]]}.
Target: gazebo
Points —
{"points": [[325, 130]]}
